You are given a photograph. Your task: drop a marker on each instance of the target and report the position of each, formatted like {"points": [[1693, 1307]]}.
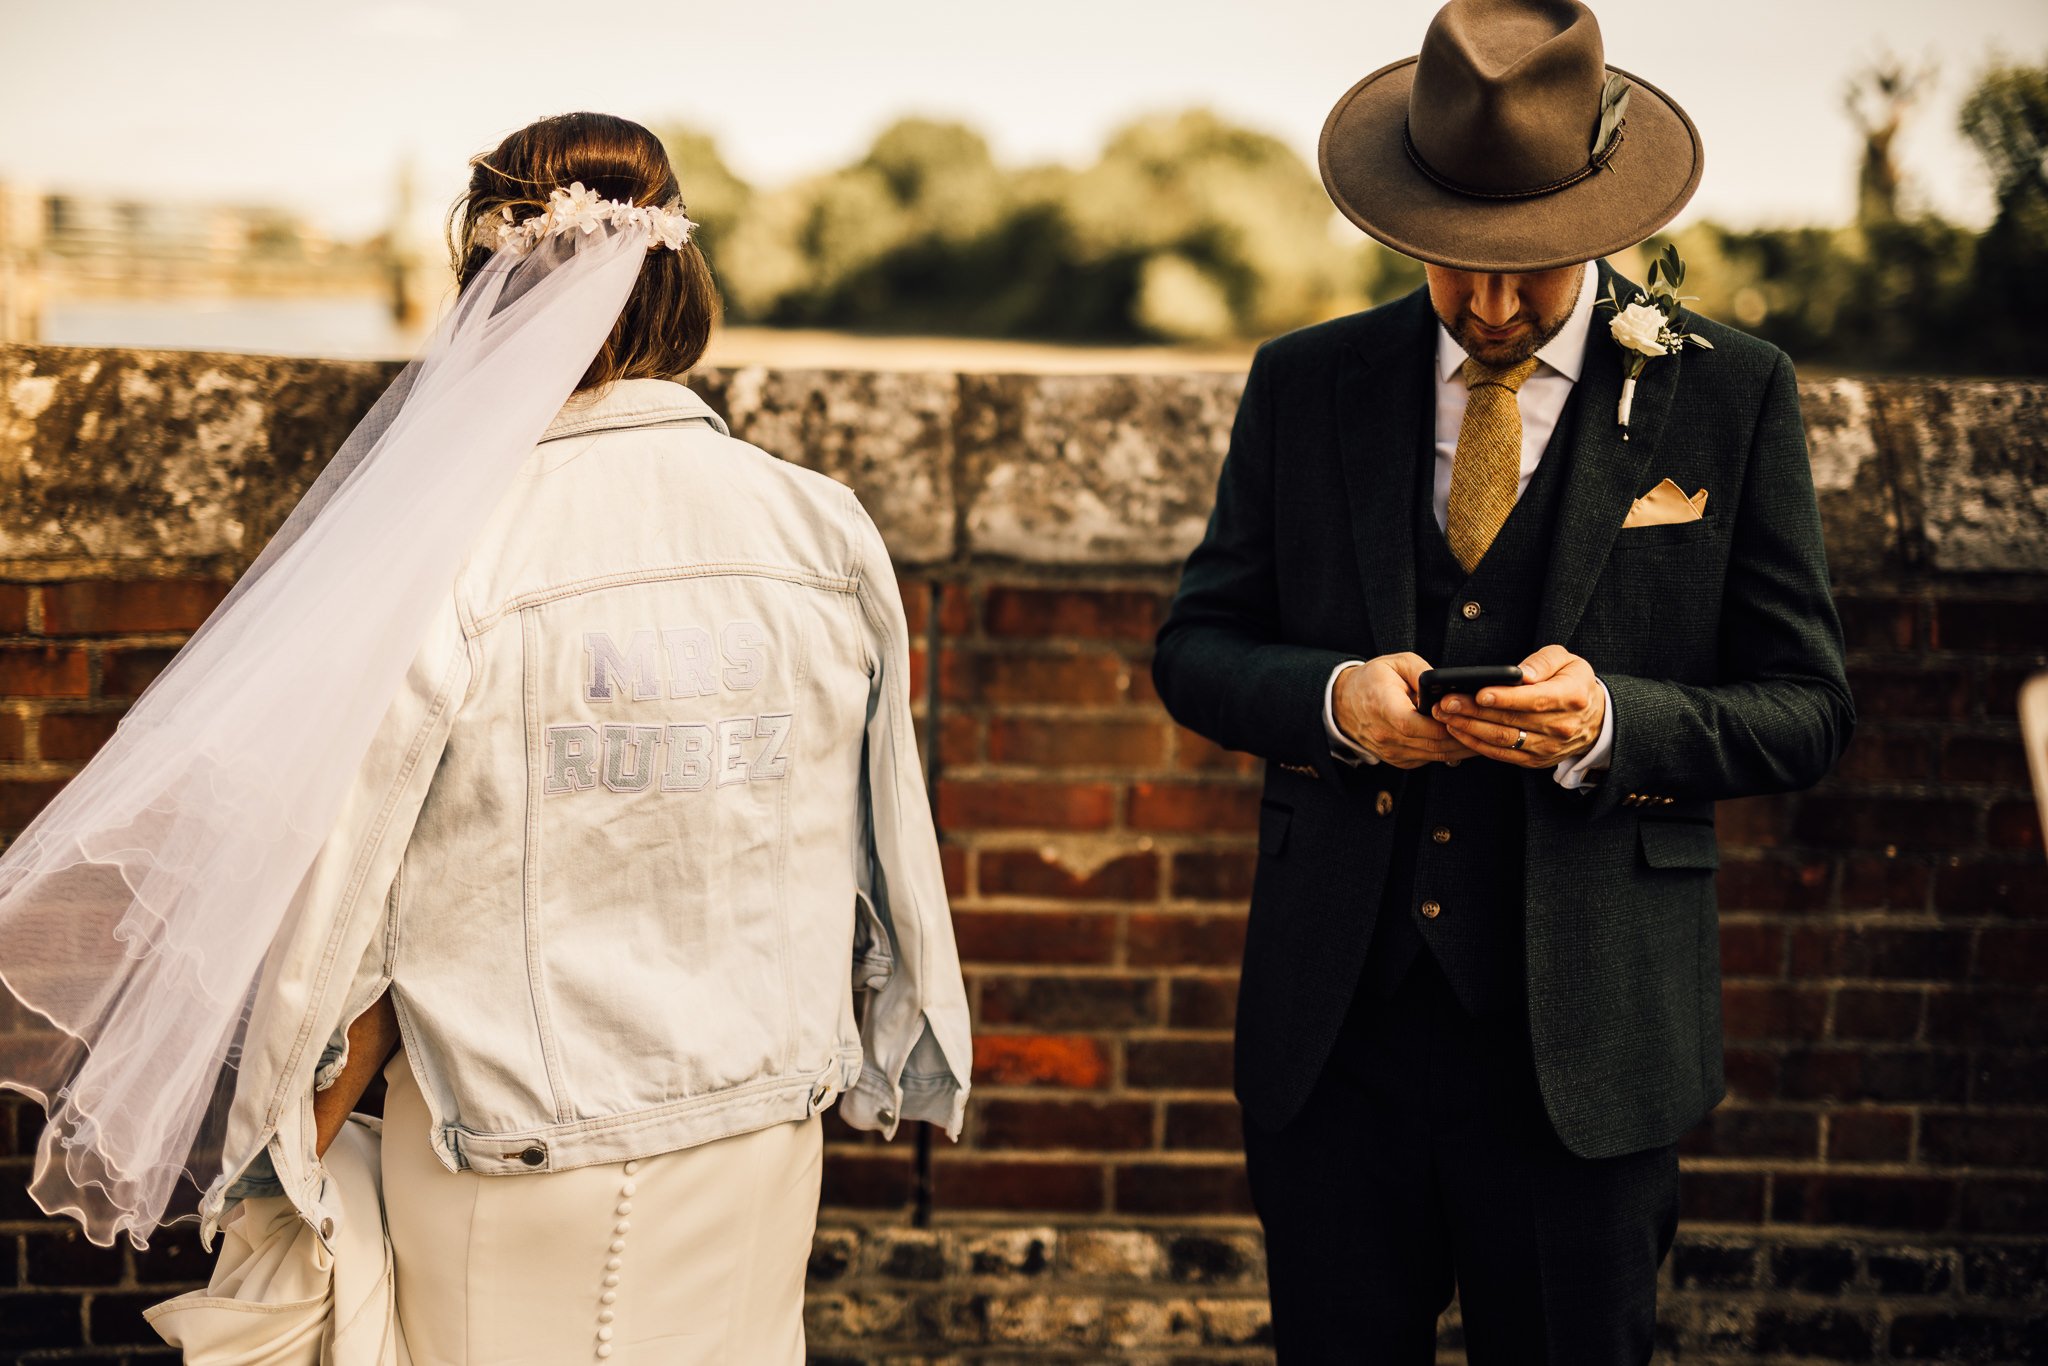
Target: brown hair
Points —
{"points": [[666, 323]]}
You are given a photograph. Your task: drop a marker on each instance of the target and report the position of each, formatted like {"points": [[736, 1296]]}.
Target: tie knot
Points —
{"points": [[1476, 373]]}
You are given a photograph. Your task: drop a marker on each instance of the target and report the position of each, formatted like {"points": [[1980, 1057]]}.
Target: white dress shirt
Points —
{"points": [[1541, 401]]}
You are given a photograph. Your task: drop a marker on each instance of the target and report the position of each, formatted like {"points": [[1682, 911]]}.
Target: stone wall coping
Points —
{"points": [[194, 457]]}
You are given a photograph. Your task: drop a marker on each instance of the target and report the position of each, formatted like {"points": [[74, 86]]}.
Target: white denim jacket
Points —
{"points": [[645, 821]]}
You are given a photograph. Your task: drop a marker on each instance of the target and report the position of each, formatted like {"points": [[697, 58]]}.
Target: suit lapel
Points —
{"points": [[1384, 401], [1604, 473]]}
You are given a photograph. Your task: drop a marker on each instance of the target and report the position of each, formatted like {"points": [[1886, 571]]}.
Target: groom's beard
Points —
{"points": [[1527, 334]]}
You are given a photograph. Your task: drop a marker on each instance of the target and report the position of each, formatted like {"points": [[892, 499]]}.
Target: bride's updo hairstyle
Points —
{"points": [[666, 324]]}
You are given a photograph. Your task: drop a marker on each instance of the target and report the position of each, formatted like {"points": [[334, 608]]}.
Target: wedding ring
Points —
{"points": [[1521, 738]]}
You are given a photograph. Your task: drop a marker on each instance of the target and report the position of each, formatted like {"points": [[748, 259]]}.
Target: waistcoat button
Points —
{"points": [[1430, 910], [1471, 611], [534, 1156], [1442, 834], [1383, 805]]}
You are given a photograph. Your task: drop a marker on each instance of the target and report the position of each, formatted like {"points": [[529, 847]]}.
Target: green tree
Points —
{"points": [[2006, 118]]}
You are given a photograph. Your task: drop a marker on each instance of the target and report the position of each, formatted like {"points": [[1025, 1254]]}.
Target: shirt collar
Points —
{"points": [[1564, 353], [631, 403]]}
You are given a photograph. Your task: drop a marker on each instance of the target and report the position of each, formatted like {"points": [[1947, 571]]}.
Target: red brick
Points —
{"points": [[1073, 613], [1912, 1203], [1002, 679], [1981, 1140], [1895, 954], [1869, 1136], [2014, 825], [44, 671], [1995, 760], [74, 736], [1991, 625], [1897, 1076], [1179, 939], [1772, 1012], [1753, 822], [13, 608], [2000, 694], [1182, 1188], [13, 735], [22, 798], [1872, 822], [1077, 742], [1752, 950], [1040, 1060], [1773, 885], [2018, 956], [1984, 1017], [1069, 1001], [1178, 1064], [1878, 1016], [1879, 623], [105, 608], [1202, 1002], [125, 673], [961, 1182], [1983, 887], [1210, 1125], [1740, 1131], [1033, 873], [1210, 808], [1213, 874], [917, 604], [1103, 1126], [1752, 1073], [959, 739], [1193, 753], [1897, 694], [956, 608], [1874, 882], [1876, 756], [953, 863], [1720, 1197], [875, 1180], [995, 804], [2005, 1205], [1034, 937]]}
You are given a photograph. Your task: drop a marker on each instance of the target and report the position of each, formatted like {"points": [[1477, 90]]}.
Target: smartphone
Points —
{"points": [[1435, 684]]}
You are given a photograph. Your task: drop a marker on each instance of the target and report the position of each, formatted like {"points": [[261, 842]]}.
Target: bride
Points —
{"points": [[555, 761]]}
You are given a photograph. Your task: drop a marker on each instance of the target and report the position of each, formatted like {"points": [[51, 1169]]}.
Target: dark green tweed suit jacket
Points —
{"points": [[1717, 640]]}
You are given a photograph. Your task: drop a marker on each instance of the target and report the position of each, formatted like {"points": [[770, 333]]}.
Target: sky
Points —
{"points": [[315, 107]]}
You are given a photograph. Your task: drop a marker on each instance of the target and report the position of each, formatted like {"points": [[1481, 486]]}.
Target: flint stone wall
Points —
{"points": [[1874, 1189]]}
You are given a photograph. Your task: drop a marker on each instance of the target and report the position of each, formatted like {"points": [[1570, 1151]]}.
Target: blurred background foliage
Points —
{"points": [[1190, 229]]}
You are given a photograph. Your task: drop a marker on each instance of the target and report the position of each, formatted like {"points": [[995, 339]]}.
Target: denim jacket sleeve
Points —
{"points": [[914, 1034]]}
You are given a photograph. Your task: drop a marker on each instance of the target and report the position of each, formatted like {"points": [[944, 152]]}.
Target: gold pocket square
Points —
{"points": [[1664, 504]]}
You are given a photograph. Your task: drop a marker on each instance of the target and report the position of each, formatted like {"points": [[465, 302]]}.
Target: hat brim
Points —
{"points": [[1374, 183]]}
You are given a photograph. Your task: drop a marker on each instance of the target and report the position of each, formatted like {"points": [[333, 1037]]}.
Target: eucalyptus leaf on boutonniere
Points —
{"points": [[1643, 327]]}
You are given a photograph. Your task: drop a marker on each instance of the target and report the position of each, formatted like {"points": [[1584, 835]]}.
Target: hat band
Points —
{"points": [[1597, 163]]}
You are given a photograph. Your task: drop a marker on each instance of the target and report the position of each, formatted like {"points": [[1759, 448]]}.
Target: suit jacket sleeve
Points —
{"points": [[1221, 666], [1781, 714]]}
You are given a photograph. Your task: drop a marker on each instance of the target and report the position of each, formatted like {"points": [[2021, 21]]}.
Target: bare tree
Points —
{"points": [[1879, 98]]}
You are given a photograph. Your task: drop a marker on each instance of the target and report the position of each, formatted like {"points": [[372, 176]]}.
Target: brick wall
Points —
{"points": [[1874, 1189]]}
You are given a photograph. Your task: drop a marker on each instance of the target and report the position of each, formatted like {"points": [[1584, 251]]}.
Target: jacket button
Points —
{"points": [[1470, 611], [327, 1228], [1383, 805], [1442, 834], [1430, 910], [534, 1156]]}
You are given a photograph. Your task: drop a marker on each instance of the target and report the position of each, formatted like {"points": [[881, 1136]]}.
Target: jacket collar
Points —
{"points": [[632, 403]]}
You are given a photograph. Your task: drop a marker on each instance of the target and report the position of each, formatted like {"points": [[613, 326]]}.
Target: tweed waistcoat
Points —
{"points": [[1459, 832]]}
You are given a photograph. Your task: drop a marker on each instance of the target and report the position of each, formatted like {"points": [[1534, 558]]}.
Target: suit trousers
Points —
{"points": [[689, 1258], [1423, 1164]]}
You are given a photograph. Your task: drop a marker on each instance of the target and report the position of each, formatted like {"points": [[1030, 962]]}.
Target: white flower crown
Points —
{"points": [[579, 209]]}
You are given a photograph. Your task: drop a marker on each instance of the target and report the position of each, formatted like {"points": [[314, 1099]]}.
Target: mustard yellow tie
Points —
{"points": [[1488, 468]]}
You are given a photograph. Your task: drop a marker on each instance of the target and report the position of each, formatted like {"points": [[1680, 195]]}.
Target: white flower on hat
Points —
{"points": [[1640, 328]]}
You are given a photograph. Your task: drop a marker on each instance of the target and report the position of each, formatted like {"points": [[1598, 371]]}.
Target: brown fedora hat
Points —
{"points": [[1480, 153]]}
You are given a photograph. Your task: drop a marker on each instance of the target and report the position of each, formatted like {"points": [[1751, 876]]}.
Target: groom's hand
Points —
{"points": [[1560, 706], [1374, 706]]}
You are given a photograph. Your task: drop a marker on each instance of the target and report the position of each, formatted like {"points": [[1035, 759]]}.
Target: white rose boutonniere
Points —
{"points": [[1643, 326]]}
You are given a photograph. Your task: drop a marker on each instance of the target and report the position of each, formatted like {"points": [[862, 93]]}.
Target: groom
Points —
{"points": [[1481, 994]]}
